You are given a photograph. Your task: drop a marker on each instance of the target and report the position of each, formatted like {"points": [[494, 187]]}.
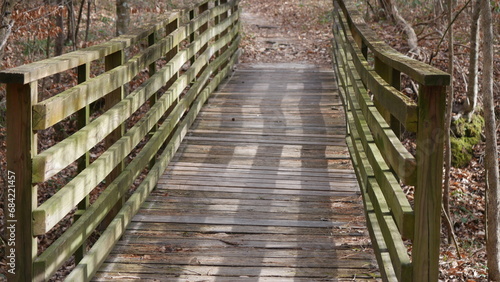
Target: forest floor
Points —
{"points": [[297, 31]]}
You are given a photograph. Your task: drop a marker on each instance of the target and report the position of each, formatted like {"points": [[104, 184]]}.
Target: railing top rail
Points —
{"points": [[420, 71], [31, 72]]}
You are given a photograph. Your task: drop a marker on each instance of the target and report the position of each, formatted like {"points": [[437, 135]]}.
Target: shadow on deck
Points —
{"points": [[260, 190]]}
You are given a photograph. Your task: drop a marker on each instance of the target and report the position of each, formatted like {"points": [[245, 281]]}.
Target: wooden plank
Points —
{"points": [[384, 260], [337, 192], [249, 196], [239, 221], [180, 168], [20, 196], [186, 229], [218, 259], [270, 178], [273, 184], [428, 196], [271, 169], [222, 243], [194, 277], [242, 261], [316, 210], [177, 270], [243, 212]]}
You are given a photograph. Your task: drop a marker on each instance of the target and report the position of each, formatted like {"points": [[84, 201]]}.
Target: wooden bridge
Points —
{"points": [[255, 185]]}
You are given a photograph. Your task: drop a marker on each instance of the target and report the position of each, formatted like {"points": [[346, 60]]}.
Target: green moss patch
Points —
{"points": [[467, 135]]}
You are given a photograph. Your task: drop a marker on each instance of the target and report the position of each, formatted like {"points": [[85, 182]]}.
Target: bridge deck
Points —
{"points": [[260, 190]]}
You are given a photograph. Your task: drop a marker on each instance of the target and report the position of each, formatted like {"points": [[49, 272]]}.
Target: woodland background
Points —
{"points": [[34, 30]]}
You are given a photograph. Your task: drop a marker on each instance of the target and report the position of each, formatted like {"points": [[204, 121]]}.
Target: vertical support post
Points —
{"points": [[152, 68], [203, 7], [20, 195], [171, 27], [393, 78], [192, 36], [154, 98], [428, 194], [83, 162], [110, 62], [222, 17], [359, 40]]}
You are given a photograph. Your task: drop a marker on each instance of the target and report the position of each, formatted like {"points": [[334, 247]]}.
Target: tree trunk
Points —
{"points": [[87, 29], [392, 13], [71, 24], [449, 106], [410, 32], [471, 101], [6, 24], [491, 150], [59, 42], [122, 16], [78, 21]]}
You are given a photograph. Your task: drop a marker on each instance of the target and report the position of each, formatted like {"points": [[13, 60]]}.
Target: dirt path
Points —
{"points": [[291, 31]]}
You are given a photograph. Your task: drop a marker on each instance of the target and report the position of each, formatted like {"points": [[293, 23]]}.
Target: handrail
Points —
{"points": [[212, 30], [376, 111]]}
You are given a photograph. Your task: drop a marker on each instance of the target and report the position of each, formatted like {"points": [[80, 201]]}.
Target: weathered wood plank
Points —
{"points": [[176, 270], [20, 196], [428, 196]]}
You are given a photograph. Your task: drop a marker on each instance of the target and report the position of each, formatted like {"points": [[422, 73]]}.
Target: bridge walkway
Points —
{"points": [[261, 189]]}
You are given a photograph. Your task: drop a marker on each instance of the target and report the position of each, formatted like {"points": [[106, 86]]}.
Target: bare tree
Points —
{"points": [[6, 23], [122, 16], [60, 38], [471, 101], [392, 12], [449, 106], [491, 150], [70, 38]]}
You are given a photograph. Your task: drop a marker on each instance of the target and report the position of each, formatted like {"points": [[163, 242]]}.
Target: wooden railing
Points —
{"points": [[369, 73], [204, 37]]}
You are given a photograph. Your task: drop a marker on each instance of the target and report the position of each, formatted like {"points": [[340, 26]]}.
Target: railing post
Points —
{"points": [[192, 37], [428, 194], [393, 78], [20, 195], [110, 62], [222, 17], [203, 29], [83, 162], [154, 98]]}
